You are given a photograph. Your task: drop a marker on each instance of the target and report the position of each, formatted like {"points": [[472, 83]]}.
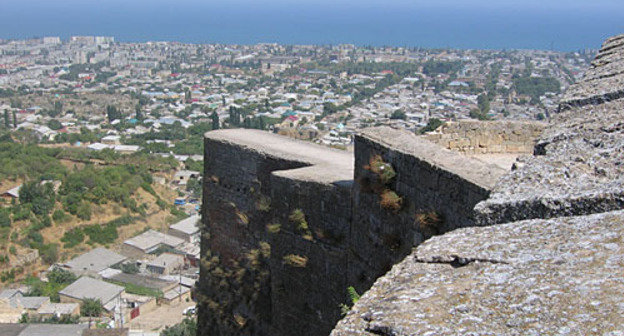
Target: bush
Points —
{"points": [[72, 238], [59, 216], [35, 239], [161, 204], [21, 212], [71, 202], [7, 276], [431, 126], [91, 308], [179, 214], [84, 211], [101, 234], [46, 221], [130, 268], [49, 253], [5, 218]]}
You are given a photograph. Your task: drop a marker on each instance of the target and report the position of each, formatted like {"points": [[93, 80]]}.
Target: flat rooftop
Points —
{"points": [[326, 165]]}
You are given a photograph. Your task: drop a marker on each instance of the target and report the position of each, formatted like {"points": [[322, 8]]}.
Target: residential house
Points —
{"points": [[148, 242], [42, 329], [166, 263], [181, 177], [12, 193], [93, 262], [187, 229], [89, 288], [111, 140], [107, 332], [59, 309]]}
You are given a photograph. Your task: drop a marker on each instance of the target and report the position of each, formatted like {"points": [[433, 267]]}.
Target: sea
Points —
{"points": [[563, 25]]}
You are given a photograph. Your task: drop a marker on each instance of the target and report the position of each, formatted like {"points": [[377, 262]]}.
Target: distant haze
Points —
{"points": [[504, 24]]}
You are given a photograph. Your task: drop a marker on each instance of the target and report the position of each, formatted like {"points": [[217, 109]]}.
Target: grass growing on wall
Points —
{"points": [[384, 175], [295, 260]]}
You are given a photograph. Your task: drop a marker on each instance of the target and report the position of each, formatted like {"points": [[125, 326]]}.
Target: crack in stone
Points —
{"points": [[457, 261], [380, 330]]}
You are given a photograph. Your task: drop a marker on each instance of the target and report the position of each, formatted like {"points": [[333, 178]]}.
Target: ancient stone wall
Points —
{"points": [[431, 181], [287, 228], [488, 137], [265, 271]]}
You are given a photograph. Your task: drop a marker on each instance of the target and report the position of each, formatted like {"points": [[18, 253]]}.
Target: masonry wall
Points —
{"points": [[487, 137], [264, 273], [235, 291], [382, 237]]}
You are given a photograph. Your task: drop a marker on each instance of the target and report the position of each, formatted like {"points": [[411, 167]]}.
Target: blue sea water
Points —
{"points": [[503, 24]]}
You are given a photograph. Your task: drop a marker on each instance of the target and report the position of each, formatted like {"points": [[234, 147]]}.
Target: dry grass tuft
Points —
{"points": [[390, 200], [295, 260]]}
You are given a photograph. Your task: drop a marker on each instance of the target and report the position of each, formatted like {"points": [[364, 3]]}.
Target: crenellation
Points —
{"points": [[326, 231]]}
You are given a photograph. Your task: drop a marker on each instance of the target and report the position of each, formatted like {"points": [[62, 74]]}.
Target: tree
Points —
{"points": [[214, 117], [91, 308], [41, 197], [7, 124], [398, 114], [58, 107], [477, 114], [55, 124], [188, 327], [138, 115], [194, 187], [235, 116], [484, 103], [432, 125], [61, 276], [14, 120], [112, 113]]}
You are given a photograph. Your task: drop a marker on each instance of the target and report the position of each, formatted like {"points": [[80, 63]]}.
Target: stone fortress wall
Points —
{"points": [[488, 137], [288, 226]]}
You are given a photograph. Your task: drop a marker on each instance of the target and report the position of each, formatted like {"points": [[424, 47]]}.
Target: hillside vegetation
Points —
{"points": [[65, 210]]}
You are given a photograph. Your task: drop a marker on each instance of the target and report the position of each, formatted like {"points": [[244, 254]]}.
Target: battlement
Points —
{"points": [[318, 164], [290, 225]]}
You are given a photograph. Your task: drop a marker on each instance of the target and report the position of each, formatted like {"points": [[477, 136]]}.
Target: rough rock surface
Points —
{"points": [[535, 277], [604, 81], [553, 264]]}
